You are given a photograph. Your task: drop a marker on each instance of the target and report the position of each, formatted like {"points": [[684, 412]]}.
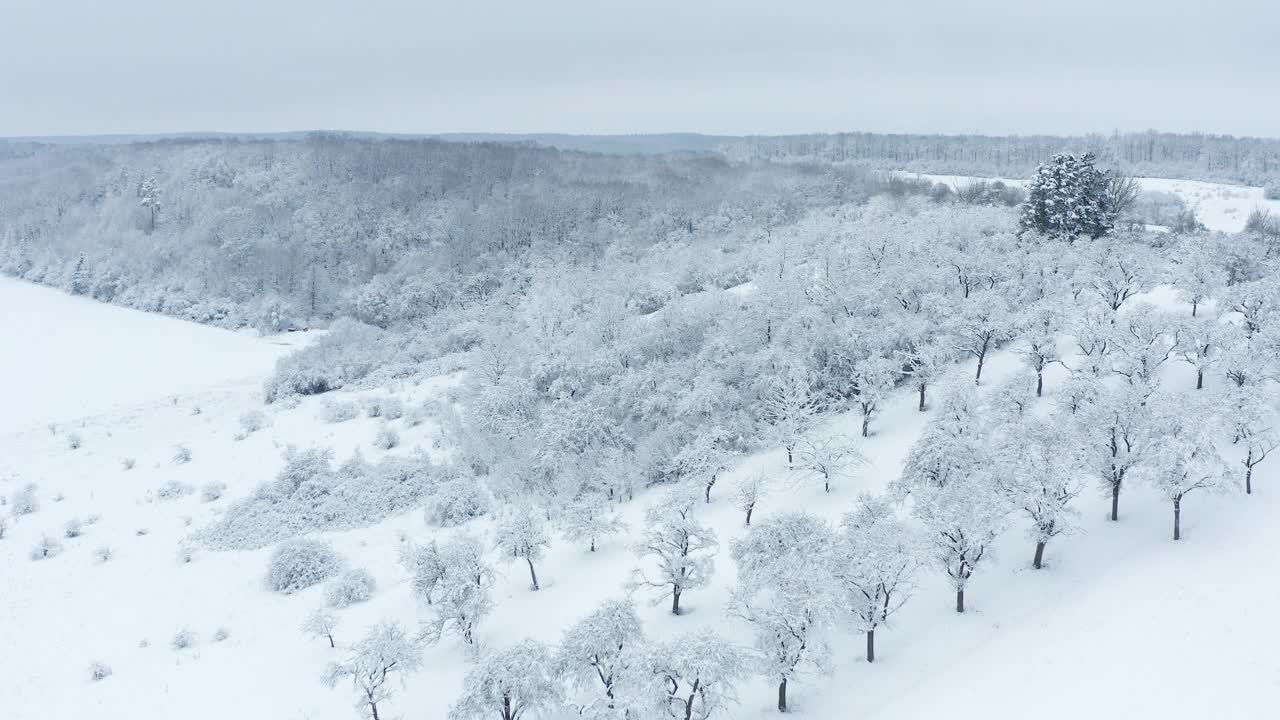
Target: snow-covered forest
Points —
{"points": [[684, 435]]}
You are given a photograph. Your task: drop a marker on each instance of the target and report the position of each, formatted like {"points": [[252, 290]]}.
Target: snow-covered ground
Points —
{"points": [[1122, 622], [1220, 207]]}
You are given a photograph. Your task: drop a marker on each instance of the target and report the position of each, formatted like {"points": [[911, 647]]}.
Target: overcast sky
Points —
{"points": [[713, 66]]}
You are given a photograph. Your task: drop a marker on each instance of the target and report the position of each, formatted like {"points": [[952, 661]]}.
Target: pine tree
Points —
{"points": [[1069, 197]]}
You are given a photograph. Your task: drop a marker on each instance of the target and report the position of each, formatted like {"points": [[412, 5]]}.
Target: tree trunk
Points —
{"points": [[532, 575], [1248, 473], [506, 707], [782, 695], [977, 379], [710, 484], [332, 644], [675, 601], [1177, 518], [1115, 500], [921, 407], [866, 426], [871, 646], [373, 708], [1039, 383], [1039, 555], [790, 461], [1194, 306], [960, 600], [1199, 379], [750, 509], [593, 544]]}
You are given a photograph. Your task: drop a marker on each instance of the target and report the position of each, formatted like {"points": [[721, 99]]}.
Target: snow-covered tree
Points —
{"points": [[1041, 467], [590, 518], [522, 534], [1115, 272], [786, 591], [690, 678], [981, 325], [748, 491], [791, 407], [462, 593], [426, 568], [961, 519], [1145, 339], [830, 457], [149, 200], [1041, 324], [682, 548], [1252, 427], [1068, 198], [321, 624], [1188, 458], [1199, 344], [1197, 272], [877, 558], [1118, 436], [951, 445], [595, 655], [927, 360], [385, 651], [874, 379], [704, 458], [508, 684]]}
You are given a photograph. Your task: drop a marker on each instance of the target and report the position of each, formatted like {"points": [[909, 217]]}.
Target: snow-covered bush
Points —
{"points": [[4, 525], [181, 454], [212, 491], [186, 554], [348, 352], [336, 411], [74, 441], [415, 415], [221, 634], [386, 438], [456, 501], [128, 463], [349, 588], [72, 529], [1272, 190], [253, 421], [99, 671], [182, 640], [47, 547], [299, 564], [310, 494], [102, 554], [173, 490], [24, 501], [384, 406]]}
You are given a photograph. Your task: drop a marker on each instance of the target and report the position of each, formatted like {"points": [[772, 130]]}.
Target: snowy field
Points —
{"points": [[1221, 207], [1121, 623]]}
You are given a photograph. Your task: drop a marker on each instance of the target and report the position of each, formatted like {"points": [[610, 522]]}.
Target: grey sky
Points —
{"points": [[994, 66]]}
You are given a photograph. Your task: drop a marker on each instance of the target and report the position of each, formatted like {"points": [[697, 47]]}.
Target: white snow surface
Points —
{"points": [[1122, 622], [1221, 207]]}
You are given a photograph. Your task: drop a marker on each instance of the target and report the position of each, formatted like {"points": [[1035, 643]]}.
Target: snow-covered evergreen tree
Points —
{"points": [[1069, 198]]}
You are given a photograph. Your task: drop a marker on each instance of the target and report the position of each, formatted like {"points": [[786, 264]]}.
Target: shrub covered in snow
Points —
{"points": [[74, 441], [221, 634], [102, 554], [1272, 190], [212, 491], [386, 438], [348, 352], [456, 501], [299, 564], [181, 454], [336, 411], [311, 494], [72, 529], [24, 501], [128, 463], [47, 547], [182, 640], [349, 588], [186, 554], [99, 671], [384, 406], [173, 490], [253, 421]]}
